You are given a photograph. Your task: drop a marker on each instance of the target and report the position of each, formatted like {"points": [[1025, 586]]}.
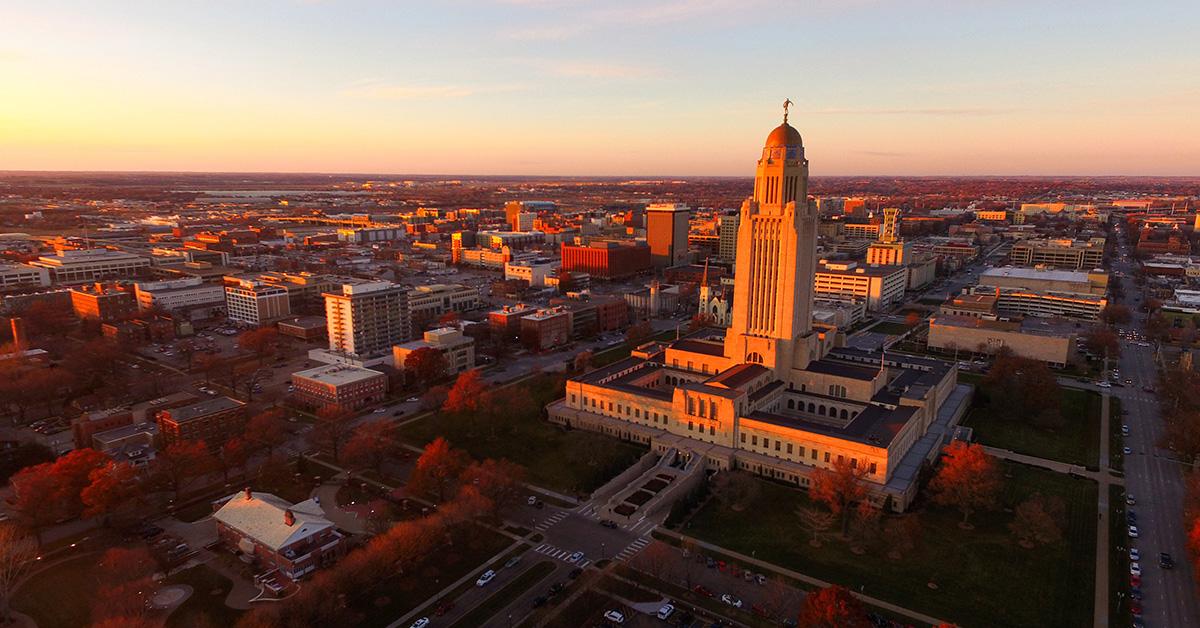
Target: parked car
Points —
{"points": [[608, 523], [1133, 532], [576, 557], [731, 600], [1135, 569], [1134, 554], [512, 562], [665, 611], [702, 590], [614, 616], [1130, 500]]}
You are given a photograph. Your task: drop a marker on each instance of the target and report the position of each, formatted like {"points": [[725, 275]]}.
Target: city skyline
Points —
{"points": [[569, 88]]}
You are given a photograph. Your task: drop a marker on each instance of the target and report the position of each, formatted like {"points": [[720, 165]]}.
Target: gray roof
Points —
{"points": [[202, 409]]}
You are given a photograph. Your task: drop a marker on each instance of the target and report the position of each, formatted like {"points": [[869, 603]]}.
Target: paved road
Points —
{"points": [[1156, 481]]}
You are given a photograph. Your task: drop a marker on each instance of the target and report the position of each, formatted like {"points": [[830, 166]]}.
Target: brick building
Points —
{"points": [[347, 387], [213, 421], [546, 329], [294, 539], [606, 259], [103, 302]]}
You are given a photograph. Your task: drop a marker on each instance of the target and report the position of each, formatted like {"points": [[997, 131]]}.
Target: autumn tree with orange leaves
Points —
{"points": [[832, 607], [500, 481], [437, 470], [839, 488], [968, 479]]}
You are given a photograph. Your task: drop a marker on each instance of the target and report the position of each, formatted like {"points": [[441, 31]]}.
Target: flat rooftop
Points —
{"points": [[203, 409], [1047, 274], [337, 374]]}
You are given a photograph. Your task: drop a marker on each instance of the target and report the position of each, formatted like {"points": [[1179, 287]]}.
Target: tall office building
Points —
{"points": [[667, 233], [889, 250], [367, 318], [727, 229]]}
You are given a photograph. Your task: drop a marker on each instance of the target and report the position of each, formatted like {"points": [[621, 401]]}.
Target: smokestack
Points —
{"points": [[289, 518], [18, 334], [249, 495]]}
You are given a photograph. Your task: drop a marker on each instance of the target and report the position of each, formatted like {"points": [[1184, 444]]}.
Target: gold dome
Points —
{"points": [[784, 135]]}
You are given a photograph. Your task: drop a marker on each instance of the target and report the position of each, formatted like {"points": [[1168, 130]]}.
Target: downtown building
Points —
{"points": [[70, 266], [772, 395], [365, 319]]}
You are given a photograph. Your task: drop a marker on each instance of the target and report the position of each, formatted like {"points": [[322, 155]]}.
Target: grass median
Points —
{"points": [[506, 595]]}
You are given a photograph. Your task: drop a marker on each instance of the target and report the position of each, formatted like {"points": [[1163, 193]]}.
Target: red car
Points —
{"points": [[703, 591], [443, 608], [1135, 581]]}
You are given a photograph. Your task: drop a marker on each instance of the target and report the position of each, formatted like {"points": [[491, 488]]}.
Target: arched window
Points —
{"points": [[791, 405], [821, 409], [843, 413], [812, 407]]}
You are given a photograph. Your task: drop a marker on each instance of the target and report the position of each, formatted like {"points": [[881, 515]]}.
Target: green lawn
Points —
{"points": [[983, 577], [1077, 442], [568, 461], [506, 595], [1116, 442], [890, 328], [62, 595], [585, 610], [206, 605]]}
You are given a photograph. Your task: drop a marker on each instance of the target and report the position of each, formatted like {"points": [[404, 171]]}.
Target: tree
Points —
{"points": [[968, 479], [1023, 388], [500, 407], [700, 321], [1102, 340], [265, 430], [261, 342], [864, 526], [779, 598], [1116, 314], [112, 492], [1038, 520], [832, 607], [125, 584], [638, 332], [235, 453], [426, 365], [437, 469], [902, 533], [466, 394], [1157, 327], [500, 481], [371, 444], [17, 552], [912, 320], [839, 488], [36, 501], [333, 427], [582, 361], [816, 522], [736, 489], [181, 462], [434, 398]]}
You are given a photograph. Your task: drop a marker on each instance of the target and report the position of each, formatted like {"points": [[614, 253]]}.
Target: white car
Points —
{"points": [[1104, 384], [420, 623], [485, 578], [531, 500], [730, 600], [614, 616], [1129, 500], [665, 611], [1127, 451], [1134, 554], [576, 557], [380, 410], [1135, 569], [1133, 532]]}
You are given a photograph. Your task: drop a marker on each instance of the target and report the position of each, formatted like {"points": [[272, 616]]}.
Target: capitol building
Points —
{"points": [[770, 394]]}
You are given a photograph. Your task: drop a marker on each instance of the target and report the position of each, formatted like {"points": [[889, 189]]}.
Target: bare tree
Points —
{"points": [[816, 521], [17, 551]]}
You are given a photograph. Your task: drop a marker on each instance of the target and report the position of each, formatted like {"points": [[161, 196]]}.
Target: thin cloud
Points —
{"points": [[934, 111], [634, 14], [880, 153], [389, 91], [582, 68]]}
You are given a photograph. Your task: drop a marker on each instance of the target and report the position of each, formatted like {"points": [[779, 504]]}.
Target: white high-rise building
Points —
{"points": [[367, 318]]}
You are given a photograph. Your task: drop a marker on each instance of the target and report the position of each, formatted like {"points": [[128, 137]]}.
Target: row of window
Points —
{"points": [[780, 446]]}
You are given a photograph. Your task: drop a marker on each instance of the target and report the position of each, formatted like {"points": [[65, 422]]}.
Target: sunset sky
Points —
{"points": [[575, 87]]}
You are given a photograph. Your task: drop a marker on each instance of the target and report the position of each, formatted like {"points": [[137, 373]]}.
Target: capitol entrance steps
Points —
{"points": [[656, 488]]}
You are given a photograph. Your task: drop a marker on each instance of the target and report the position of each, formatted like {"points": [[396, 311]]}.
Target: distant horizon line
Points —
{"points": [[4, 172]]}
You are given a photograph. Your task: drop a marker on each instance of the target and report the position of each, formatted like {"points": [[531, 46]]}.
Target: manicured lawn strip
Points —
{"points": [[584, 610], [1076, 442], [204, 607], [62, 595], [1116, 442], [505, 596], [395, 596], [568, 461], [628, 591], [965, 377], [983, 577], [890, 328], [1118, 559]]}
